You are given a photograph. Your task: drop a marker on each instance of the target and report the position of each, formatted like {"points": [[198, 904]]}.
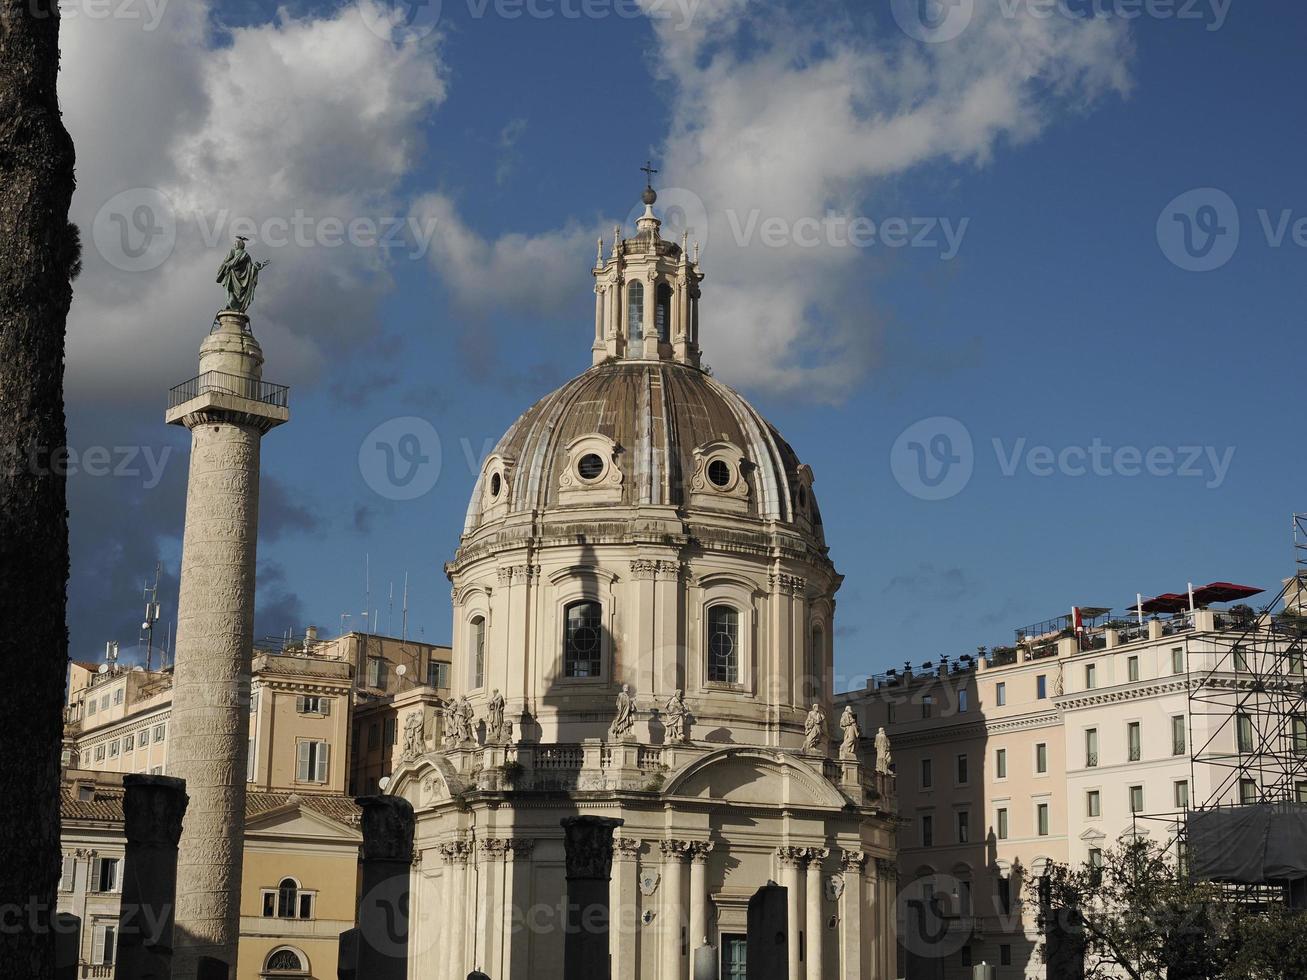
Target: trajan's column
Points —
{"points": [[227, 409]]}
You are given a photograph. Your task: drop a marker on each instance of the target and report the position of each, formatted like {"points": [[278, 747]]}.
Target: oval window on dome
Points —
{"points": [[496, 485], [719, 472], [803, 498], [590, 467]]}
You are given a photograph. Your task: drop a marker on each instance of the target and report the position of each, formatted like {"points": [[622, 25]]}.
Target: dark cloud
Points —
{"points": [[929, 583]]}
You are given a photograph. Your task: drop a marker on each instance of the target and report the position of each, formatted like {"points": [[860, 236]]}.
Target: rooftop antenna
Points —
{"points": [[151, 595], [111, 653], [403, 618], [367, 587], [344, 618], [390, 612]]}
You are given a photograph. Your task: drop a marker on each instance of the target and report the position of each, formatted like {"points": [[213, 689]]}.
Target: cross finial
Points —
{"points": [[649, 171]]}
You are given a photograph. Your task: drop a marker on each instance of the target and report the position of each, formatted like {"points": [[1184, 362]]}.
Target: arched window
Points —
{"points": [[635, 310], [285, 962], [477, 646], [663, 311], [581, 641], [723, 645], [287, 893]]}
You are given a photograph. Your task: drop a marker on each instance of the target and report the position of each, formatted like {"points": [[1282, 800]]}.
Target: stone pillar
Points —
{"points": [[589, 848], [768, 937], [227, 409], [153, 807], [699, 852], [815, 930], [625, 917], [490, 910], [385, 880], [886, 887], [791, 860], [517, 937], [456, 853], [673, 911], [854, 958]]}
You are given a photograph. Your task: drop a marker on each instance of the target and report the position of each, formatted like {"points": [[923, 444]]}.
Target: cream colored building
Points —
{"points": [[1067, 745], [643, 607]]}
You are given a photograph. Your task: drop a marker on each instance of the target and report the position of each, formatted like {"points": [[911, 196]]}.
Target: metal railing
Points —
{"points": [[229, 384]]}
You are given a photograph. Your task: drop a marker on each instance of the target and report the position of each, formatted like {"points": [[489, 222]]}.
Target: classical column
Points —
{"points": [[228, 409], [153, 807], [853, 956], [699, 852], [673, 911], [456, 852], [791, 860], [385, 880], [815, 930], [624, 918], [517, 939], [886, 898], [589, 847], [490, 907]]}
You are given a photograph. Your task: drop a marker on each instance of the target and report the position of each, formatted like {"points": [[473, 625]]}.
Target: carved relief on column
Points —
{"points": [[886, 869], [674, 850], [520, 574], [793, 584], [521, 847], [817, 854], [644, 569], [626, 848], [494, 847], [455, 851], [700, 849], [792, 857], [854, 862]]}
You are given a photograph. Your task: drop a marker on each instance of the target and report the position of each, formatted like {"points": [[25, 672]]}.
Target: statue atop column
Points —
{"points": [[464, 717], [624, 724], [852, 733], [884, 761], [815, 737], [239, 275], [677, 718]]}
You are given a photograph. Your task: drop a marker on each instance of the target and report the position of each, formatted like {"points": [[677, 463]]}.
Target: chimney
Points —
{"points": [[310, 637]]}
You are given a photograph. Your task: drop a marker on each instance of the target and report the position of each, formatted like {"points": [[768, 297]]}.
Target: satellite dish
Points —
{"points": [[102, 669], [383, 782], [401, 670]]}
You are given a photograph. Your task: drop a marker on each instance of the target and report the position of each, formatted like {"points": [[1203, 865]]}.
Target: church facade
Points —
{"points": [[644, 606]]}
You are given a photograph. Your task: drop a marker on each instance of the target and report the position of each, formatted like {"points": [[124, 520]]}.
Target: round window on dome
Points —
{"points": [[803, 498], [719, 473], [496, 485], [590, 467]]}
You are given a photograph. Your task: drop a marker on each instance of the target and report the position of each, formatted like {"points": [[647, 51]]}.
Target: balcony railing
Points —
{"points": [[229, 384]]}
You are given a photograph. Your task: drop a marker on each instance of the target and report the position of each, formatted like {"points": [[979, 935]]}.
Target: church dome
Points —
{"points": [[645, 433]]}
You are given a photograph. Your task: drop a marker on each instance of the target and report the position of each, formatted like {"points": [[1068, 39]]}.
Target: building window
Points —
{"points": [[104, 703], [285, 961], [1000, 693], [1041, 687], [1000, 763], [288, 901], [1004, 955], [159, 732], [438, 674], [927, 831], [1300, 791], [312, 704], [966, 955], [1005, 895], [1300, 735], [962, 770], [129, 742], [964, 898], [1244, 730], [964, 826], [1095, 866], [1136, 799], [635, 310], [1132, 668], [735, 949], [90, 707], [1134, 740], [889, 712], [113, 749], [1091, 676], [1182, 794], [1000, 823], [1247, 791], [477, 646], [312, 762], [1041, 819], [582, 646], [1093, 803], [1041, 757], [67, 873], [927, 702], [1177, 660], [103, 943], [927, 774], [143, 739], [1178, 735], [118, 696], [99, 752], [104, 875], [962, 702], [724, 645], [1091, 747], [376, 673], [388, 733], [663, 311], [1240, 658], [374, 736]]}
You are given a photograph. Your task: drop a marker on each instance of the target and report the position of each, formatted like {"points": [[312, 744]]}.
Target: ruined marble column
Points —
{"points": [[227, 409], [153, 807], [589, 847], [815, 932], [385, 873]]}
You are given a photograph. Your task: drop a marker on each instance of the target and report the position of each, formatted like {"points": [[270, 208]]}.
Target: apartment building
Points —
{"points": [[1084, 732]]}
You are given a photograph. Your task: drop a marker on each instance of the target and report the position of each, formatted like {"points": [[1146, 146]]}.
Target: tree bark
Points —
{"points": [[39, 255]]}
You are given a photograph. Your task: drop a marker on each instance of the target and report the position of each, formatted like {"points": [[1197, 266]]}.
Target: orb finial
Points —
{"points": [[649, 195]]}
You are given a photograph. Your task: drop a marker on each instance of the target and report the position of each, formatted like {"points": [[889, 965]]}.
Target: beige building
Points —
{"points": [[1056, 749], [299, 882], [644, 605]]}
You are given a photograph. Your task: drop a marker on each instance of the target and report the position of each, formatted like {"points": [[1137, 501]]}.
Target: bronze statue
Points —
{"points": [[239, 275]]}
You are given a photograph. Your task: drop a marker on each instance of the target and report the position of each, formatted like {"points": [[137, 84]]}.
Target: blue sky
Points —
{"points": [[1056, 145]]}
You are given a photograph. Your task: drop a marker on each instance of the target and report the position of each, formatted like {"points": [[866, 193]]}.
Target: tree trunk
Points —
{"points": [[39, 255]]}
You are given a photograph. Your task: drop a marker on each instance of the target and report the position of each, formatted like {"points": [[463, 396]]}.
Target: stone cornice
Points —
{"points": [[1115, 695]]}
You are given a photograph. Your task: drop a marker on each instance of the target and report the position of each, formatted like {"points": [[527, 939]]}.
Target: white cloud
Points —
{"points": [[311, 121]]}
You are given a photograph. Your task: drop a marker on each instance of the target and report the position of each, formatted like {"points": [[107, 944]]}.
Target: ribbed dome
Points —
{"points": [[656, 413]]}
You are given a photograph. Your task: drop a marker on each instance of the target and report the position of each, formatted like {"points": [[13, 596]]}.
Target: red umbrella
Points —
{"points": [[1223, 592]]}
